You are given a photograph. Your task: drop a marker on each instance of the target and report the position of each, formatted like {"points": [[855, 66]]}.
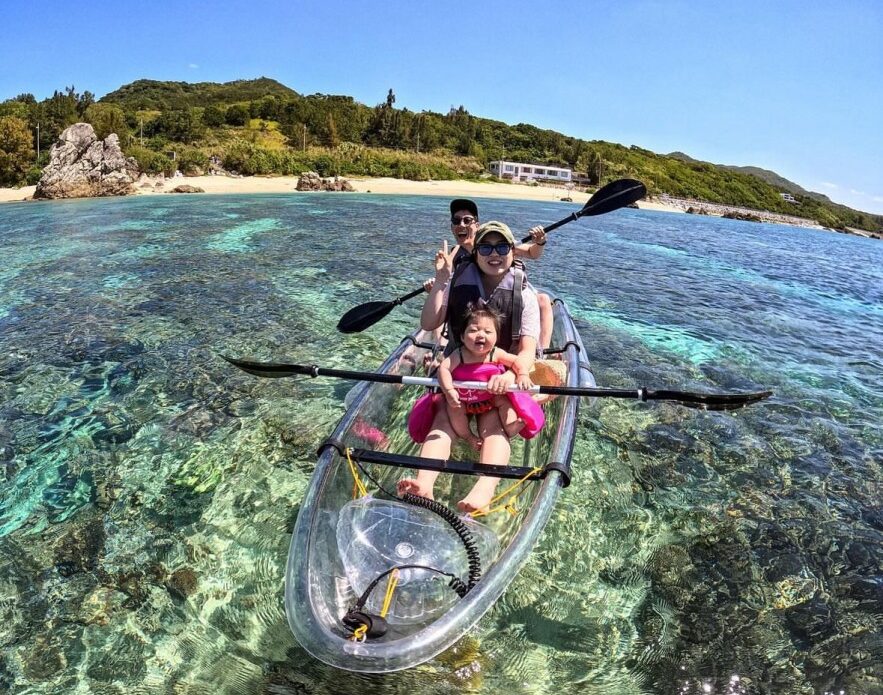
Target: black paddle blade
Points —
{"points": [[709, 401], [268, 370], [615, 195], [363, 316]]}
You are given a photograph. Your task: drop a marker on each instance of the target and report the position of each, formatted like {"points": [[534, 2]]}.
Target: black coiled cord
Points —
{"points": [[472, 555], [376, 625], [460, 528]]}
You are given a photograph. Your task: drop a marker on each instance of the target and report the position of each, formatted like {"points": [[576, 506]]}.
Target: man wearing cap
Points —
{"points": [[464, 225]]}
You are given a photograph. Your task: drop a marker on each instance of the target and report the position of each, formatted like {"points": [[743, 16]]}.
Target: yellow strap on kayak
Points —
{"points": [[390, 588], [509, 506], [359, 633], [359, 489]]}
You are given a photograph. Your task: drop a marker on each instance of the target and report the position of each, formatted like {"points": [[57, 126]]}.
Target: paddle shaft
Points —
{"points": [[711, 401], [408, 296]]}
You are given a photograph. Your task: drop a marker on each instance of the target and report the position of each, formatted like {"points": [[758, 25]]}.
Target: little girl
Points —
{"points": [[476, 359]]}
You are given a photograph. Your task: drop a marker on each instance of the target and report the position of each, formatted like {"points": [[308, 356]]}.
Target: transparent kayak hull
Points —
{"points": [[340, 543], [376, 534]]}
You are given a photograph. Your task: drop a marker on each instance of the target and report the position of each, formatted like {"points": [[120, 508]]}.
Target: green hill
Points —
{"points": [[263, 127], [159, 96], [772, 178]]}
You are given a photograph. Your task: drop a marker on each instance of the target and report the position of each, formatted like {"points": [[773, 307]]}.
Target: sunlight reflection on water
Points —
{"points": [[150, 492]]}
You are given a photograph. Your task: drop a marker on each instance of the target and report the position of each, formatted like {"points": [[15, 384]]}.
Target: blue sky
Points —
{"points": [[796, 87]]}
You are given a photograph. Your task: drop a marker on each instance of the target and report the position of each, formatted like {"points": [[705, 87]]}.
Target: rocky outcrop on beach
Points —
{"points": [[744, 216], [82, 166], [311, 181], [186, 188]]}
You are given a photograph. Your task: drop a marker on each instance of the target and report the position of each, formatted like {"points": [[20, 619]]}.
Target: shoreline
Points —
{"points": [[232, 185], [236, 185]]}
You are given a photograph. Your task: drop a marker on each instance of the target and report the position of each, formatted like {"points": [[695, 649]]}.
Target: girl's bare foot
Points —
{"points": [[479, 496], [414, 487]]}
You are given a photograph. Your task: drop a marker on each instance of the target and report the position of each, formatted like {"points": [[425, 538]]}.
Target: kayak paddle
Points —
{"points": [[615, 195], [365, 315], [703, 401]]}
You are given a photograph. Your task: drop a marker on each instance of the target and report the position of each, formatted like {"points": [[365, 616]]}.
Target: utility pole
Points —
{"points": [[141, 121], [419, 119], [38, 142], [305, 137]]}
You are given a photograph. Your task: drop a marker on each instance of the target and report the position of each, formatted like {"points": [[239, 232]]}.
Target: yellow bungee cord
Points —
{"points": [[511, 490], [359, 489], [390, 588]]}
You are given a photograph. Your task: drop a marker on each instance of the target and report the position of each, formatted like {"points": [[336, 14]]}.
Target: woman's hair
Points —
{"points": [[479, 311]]}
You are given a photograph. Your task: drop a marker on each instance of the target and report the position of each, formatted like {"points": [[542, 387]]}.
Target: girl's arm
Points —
{"points": [[520, 364], [446, 380], [520, 367]]}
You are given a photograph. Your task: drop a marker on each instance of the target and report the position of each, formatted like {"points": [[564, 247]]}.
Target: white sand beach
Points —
{"points": [[380, 186], [13, 195]]}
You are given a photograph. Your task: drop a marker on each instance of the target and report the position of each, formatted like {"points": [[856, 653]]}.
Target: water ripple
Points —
{"points": [[150, 491]]}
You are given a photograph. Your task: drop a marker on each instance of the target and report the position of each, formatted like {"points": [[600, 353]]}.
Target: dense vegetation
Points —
{"points": [[263, 127]]}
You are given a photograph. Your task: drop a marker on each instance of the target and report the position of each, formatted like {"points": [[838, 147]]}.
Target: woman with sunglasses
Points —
{"points": [[489, 277], [464, 226]]}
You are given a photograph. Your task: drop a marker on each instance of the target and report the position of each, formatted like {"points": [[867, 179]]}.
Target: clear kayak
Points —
{"points": [[376, 584]]}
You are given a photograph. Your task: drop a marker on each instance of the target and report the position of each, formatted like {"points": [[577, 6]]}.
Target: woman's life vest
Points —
{"points": [[506, 300]]}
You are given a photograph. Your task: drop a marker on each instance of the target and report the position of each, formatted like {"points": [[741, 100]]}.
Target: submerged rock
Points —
{"points": [[82, 166], [182, 583], [80, 548]]}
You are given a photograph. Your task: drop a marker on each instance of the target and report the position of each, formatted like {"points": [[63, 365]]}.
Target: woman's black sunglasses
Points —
{"points": [[502, 248]]}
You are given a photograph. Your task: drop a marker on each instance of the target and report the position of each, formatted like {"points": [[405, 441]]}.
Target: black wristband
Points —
{"points": [[540, 243]]}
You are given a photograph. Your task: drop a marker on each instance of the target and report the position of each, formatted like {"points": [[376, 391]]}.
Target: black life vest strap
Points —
{"points": [[517, 302]]}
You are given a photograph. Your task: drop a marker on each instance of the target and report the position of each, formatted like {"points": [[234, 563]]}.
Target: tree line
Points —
{"points": [[263, 127]]}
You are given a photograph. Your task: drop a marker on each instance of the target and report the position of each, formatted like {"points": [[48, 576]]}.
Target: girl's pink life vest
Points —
{"points": [[424, 410]]}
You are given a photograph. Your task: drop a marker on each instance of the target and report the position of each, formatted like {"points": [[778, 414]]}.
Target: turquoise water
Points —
{"points": [[149, 491]]}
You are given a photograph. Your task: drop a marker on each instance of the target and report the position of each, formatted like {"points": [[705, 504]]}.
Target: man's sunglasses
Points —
{"points": [[502, 249], [467, 220]]}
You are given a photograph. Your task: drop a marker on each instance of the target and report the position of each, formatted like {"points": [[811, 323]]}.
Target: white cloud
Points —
{"points": [[877, 198], [855, 192], [193, 66], [832, 186]]}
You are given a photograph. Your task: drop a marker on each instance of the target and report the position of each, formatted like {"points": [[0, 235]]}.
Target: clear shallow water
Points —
{"points": [[149, 491]]}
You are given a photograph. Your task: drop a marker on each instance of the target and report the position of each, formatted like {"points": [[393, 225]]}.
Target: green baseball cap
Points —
{"points": [[493, 226]]}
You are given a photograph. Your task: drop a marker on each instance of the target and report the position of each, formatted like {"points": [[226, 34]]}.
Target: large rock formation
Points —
{"points": [[311, 181], [82, 166]]}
